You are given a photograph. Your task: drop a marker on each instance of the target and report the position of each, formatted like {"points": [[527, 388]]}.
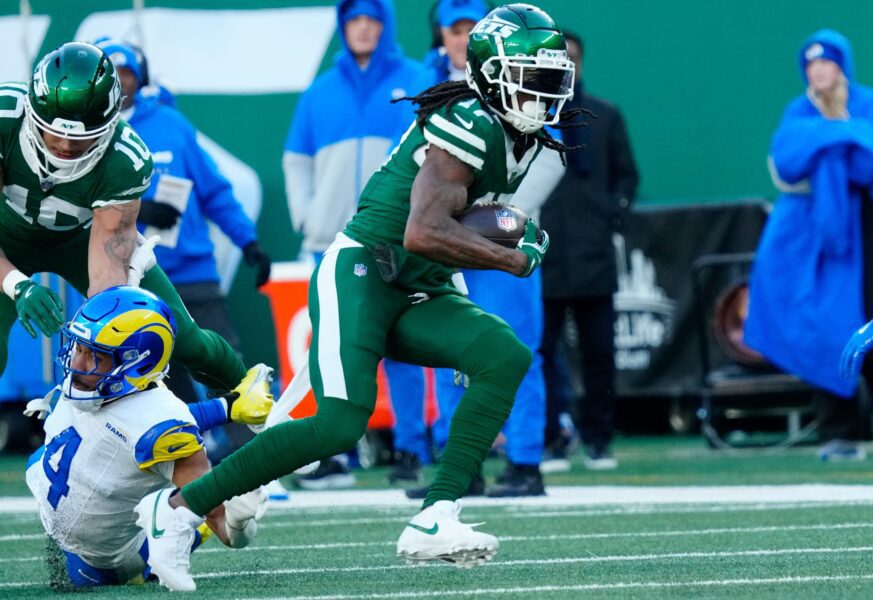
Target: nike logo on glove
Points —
{"points": [[432, 531], [171, 449]]}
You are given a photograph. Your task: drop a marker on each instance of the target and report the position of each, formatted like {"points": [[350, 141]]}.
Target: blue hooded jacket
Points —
{"points": [[343, 129], [172, 141], [807, 282]]}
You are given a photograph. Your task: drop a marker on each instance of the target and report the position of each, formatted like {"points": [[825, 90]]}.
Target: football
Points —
{"points": [[502, 224]]}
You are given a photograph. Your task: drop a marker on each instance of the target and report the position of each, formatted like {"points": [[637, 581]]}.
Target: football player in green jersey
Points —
{"points": [[71, 175], [384, 288]]}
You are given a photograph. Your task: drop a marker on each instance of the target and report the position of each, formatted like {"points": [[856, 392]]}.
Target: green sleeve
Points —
{"points": [[127, 167], [12, 97], [464, 131]]}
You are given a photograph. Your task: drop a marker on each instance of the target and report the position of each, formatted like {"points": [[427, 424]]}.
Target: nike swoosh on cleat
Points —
{"points": [[171, 449], [432, 531], [156, 533]]}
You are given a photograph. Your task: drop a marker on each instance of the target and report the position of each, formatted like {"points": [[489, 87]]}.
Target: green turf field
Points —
{"points": [[743, 545]]}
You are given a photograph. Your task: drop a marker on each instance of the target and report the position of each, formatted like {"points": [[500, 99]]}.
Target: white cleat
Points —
{"points": [[170, 534], [436, 534]]}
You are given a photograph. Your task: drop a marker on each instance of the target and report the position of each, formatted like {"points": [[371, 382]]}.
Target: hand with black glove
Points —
{"points": [[255, 257], [158, 214]]}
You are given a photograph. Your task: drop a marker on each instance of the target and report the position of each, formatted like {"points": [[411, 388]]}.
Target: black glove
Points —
{"points": [[158, 214], [255, 257]]}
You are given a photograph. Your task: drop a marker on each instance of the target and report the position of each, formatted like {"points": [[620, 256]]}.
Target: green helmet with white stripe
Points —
{"points": [[517, 62], [74, 93]]}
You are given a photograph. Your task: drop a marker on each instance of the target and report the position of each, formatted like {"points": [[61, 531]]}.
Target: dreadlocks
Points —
{"points": [[449, 93]]}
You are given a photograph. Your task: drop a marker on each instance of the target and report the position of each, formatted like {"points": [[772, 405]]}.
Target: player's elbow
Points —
{"points": [[419, 239]]}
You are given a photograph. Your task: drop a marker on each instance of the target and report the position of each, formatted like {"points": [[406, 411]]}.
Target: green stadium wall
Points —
{"points": [[701, 83]]}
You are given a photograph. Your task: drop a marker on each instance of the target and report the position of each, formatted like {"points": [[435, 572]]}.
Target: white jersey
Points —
{"points": [[95, 467]]}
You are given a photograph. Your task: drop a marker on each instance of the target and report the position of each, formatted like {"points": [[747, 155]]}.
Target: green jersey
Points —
{"points": [[121, 175], [467, 131]]}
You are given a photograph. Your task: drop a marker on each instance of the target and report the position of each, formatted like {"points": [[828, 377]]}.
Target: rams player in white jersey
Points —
{"points": [[115, 434]]}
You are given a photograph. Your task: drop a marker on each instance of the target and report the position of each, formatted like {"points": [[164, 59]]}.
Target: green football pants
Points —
{"points": [[357, 319], [206, 354]]}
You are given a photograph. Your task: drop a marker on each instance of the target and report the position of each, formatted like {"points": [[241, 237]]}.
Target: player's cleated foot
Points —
{"points": [[170, 534], [436, 534], [252, 398]]}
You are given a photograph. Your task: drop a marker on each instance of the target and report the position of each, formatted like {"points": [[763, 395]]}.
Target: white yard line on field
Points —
{"points": [[530, 538], [514, 563], [566, 496]]}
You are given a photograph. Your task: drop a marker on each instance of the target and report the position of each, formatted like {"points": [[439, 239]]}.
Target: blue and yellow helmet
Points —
{"points": [[134, 327]]}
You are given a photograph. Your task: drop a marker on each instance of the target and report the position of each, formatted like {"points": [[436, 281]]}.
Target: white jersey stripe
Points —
{"points": [[435, 140], [333, 378], [457, 131]]}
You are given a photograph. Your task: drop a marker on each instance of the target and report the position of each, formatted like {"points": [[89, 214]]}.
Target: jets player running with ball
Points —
{"points": [[71, 174], [384, 289], [113, 435]]}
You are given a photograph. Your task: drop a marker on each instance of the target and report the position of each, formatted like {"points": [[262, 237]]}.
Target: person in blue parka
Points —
{"points": [[183, 168], [807, 291]]}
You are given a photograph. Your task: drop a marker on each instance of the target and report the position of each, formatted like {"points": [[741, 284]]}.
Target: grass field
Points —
{"points": [[654, 528]]}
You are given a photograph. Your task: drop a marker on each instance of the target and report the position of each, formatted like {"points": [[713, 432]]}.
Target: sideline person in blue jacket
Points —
{"points": [[181, 161], [343, 129]]}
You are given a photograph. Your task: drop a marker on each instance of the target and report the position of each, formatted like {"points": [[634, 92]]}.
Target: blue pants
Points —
{"points": [[82, 574], [518, 302], [406, 383]]}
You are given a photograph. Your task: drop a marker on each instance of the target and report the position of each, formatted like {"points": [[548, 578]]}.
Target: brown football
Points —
{"points": [[502, 224]]}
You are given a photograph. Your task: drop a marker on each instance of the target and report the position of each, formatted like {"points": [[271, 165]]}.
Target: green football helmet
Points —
{"points": [[517, 62], [74, 93]]}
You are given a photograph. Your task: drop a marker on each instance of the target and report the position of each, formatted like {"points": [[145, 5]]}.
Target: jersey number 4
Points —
{"points": [[67, 443]]}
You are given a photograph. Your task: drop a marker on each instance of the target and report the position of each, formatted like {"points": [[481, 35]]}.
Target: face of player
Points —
{"points": [[823, 75], [362, 36], [455, 40], [129, 86], [87, 360], [66, 148]]}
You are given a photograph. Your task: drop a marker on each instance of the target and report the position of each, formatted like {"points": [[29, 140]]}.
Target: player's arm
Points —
{"points": [[113, 240], [34, 304], [186, 470], [439, 192]]}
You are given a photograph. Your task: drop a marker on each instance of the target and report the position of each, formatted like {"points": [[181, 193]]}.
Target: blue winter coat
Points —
{"points": [[172, 141], [342, 131], [807, 282]]}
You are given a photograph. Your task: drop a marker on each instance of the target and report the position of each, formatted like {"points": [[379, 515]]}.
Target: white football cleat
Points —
{"points": [[436, 534], [170, 533]]}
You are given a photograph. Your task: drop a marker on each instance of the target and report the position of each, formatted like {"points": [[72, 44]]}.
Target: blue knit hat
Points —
{"points": [[123, 56], [830, 45], [363, 8], [450, 12]]}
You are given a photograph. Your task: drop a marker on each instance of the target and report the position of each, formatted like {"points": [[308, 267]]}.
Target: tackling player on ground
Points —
{"points": [[71, 174], [114, 435], [385, 288]]}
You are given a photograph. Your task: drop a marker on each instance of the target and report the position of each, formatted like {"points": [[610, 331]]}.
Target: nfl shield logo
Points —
{"points": [[360, 270], [506, 220]]}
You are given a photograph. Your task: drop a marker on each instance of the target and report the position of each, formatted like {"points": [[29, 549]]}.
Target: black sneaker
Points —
{"points": [[331, 474], [518, 480], [476, 488], [407, 467]]}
